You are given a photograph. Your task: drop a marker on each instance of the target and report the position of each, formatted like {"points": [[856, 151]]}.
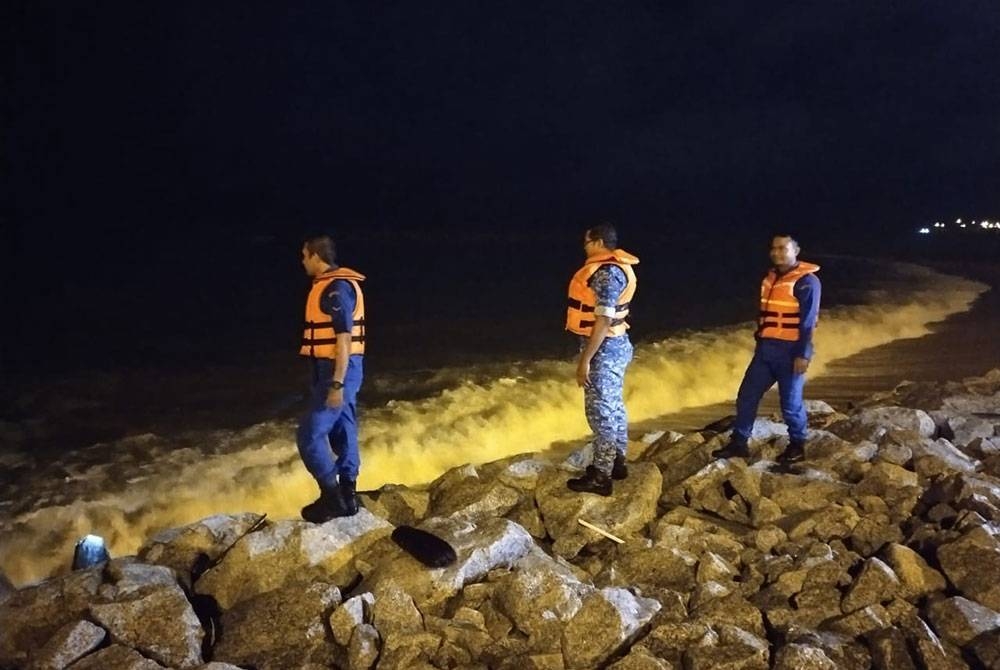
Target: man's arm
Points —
{"points": [[807, 291], [338, 302], [608, 283]]}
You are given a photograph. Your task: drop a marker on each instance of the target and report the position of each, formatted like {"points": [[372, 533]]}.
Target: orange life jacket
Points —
{"points": [[583, 300], [319, 339], [779, 308]]}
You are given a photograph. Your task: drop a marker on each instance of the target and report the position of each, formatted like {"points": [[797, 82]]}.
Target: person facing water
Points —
{"points": [[789, 310], [599, 297], [334, 340]]}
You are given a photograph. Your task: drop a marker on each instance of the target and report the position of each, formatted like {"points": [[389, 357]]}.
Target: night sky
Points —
{"points": [[134, 127]]}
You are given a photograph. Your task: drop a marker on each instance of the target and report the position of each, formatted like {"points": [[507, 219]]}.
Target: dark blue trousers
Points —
{"points": [[772, 362], [328, 436]]}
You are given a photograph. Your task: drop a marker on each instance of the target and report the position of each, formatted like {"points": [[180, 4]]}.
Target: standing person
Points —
{"points": [[334, 341], [599, 296], [789, 309]]}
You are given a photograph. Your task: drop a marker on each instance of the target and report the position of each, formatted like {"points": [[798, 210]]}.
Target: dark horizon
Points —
{"points": [[152, 150]]}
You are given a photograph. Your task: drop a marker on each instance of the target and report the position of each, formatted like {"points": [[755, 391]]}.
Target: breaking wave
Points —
{"points": [[134, 487]]}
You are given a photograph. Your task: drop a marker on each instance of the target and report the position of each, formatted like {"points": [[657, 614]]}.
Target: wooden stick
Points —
{"points": [[602, 532]]}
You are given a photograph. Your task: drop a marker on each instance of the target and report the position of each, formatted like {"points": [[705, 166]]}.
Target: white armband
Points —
{"points": [[605, 311]]}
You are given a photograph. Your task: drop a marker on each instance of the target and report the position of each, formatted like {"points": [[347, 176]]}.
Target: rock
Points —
{"points": [[972, 564], [931, 652], [968, 491], [960, 621], [986, 649], [932, 458], [394, 612], [363, 648], [732, 610], [679, 460], [845, 652], [916, 578], [800, 494], [282, 628], [802, 657], [727, 488], [873, 422], [876, 583], [889, 650], [156, 620], [292, 552], [398, 504], [406, 651], [480, 547], [897, 486], [351, 614], [195, 547], [606, 620], [32, 615], [832, 522], [737, 650], [861, 622], [657, 566], [964, 429], [540, 595], [70, 643], [640, 659], [474, 498], [561, 508], [116, 657]]}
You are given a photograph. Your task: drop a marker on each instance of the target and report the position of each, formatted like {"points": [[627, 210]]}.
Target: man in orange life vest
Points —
{"points": [[789, 309], [599, 297], [334, 341]]}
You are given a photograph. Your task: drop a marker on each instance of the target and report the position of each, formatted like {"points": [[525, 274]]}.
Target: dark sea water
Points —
{"points": [[173, 395]]}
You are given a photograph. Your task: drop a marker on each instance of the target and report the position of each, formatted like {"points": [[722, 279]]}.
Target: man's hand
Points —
{"points": [[800, 366], [582, 371], [335, 398]]}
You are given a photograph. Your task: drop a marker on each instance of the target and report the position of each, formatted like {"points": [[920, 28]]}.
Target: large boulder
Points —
{"points": [[149, 612], [480, 547], [960, 620], [398, 504], [916, 577], [195, 547], [292, 552], [605, 621], [70, 643], [972, 564], [625, 513], [539, 596], [876, 583], [872, 423], [279, 629], [116, 657], [31, 616]]}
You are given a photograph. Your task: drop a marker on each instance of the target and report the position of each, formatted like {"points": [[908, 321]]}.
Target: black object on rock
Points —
{"points": [[424, 546]]}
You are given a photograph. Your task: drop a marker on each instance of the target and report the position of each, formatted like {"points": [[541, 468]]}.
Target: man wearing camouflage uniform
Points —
{"points": [[599, 297]]}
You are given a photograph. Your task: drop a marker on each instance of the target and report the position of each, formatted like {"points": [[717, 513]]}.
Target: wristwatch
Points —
{"points": [[336, 386]]}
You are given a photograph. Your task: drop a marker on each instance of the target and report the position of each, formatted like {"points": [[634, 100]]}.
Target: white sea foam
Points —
{"points": [[412, 442]]}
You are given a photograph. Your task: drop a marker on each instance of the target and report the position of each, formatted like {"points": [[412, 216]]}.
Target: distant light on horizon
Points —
{"points": [[925, 231]]}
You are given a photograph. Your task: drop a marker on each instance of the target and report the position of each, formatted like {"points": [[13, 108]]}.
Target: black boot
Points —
{"points": [[793, 454], [348, 497], [735, 449], [324, 508], [619, 470], [593, 481]]}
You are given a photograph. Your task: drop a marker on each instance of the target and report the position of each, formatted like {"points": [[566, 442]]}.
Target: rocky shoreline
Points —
{"points": [[882, 551]]}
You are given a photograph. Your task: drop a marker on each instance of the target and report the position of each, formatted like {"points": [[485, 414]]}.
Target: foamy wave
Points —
{"points": [[412, 442]]}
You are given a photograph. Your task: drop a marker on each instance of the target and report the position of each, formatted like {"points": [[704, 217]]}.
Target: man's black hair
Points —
{"points": [[606, 233], [323, 246], [789, 236]]}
